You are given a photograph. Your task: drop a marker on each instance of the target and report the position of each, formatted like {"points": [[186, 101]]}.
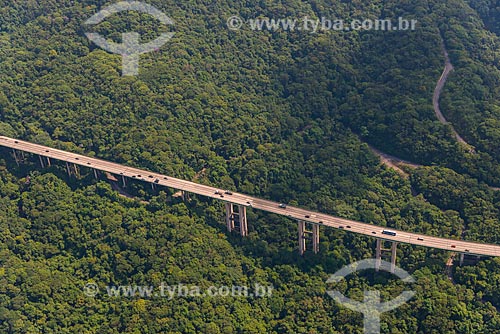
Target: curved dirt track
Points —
{"points": [[448, 67], [394, 162]]}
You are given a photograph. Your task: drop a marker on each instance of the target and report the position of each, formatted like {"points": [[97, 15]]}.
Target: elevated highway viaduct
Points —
{"points": [[236, 204]]}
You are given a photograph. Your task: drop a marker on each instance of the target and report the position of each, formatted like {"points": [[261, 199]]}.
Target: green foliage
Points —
{"points": [[274, 114]]}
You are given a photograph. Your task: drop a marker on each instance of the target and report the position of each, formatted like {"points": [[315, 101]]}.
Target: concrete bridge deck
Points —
{"points": [[302, 215]]}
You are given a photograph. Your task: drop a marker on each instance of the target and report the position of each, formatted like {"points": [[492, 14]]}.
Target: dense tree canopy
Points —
{"points": [[281, 115]]}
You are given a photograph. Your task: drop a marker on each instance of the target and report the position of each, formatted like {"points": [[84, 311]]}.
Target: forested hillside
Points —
{"points": [[281, 115], [489, 11]]}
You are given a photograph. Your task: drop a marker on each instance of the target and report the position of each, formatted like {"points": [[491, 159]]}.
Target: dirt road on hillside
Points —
{"points": [[448, 67]]}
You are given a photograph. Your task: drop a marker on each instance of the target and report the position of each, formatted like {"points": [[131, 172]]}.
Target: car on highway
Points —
{"points": [[227, 192], [282, 205], [388, 232]]}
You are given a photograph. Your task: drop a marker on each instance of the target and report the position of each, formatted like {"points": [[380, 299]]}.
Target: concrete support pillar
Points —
{"points": [[229, 217], [378, 255], [68, 169], [242, 214], [302, 239], [305, 235], [124, 183], [393, 256], [72, 169], [315, 238], [15, 157], [462, 256], [41, 161], [48, 162], [95, 174], [236, 220]]}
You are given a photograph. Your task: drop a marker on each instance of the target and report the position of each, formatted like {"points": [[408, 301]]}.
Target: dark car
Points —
{"points": [[282, 205]]}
